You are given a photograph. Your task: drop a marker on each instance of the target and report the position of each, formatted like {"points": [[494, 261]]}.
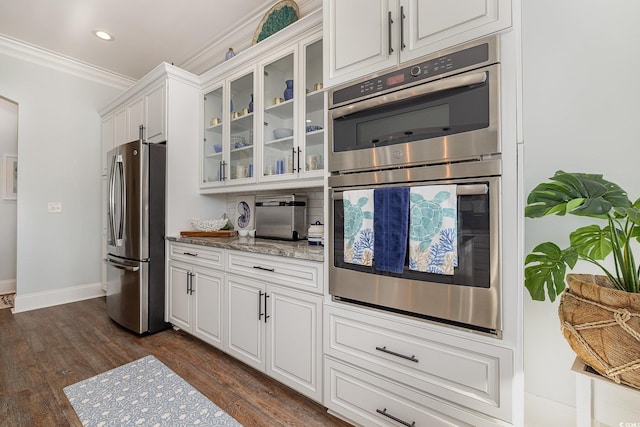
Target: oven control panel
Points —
{"points": [[428, 69]]}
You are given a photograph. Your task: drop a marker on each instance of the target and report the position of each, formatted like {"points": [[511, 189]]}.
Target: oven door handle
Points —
{"points": [[433, 87], [471, 189]]}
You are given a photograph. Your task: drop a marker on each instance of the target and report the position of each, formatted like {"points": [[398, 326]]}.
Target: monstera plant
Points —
{"points": [[616, 232]]}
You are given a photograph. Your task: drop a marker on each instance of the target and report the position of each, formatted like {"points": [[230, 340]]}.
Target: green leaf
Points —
{"points": [[592, 241], [545, 268], [577, 194]]}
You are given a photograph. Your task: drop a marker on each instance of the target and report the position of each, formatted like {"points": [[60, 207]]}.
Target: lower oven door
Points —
{"points": [[470, 298]]}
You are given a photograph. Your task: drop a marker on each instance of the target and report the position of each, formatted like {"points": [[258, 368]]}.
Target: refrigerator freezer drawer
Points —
{"points": [[127, 293]]}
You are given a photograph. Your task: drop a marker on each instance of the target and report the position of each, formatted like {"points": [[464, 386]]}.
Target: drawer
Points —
{"points": [[198, 255], [295, 273], [371, 400], [462, 371]]}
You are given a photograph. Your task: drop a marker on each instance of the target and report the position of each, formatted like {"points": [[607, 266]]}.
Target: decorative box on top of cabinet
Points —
{"points": [[239, 146], [363, 37]]}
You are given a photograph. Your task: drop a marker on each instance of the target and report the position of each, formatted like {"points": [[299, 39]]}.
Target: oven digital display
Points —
{"points": [[395, 79]]}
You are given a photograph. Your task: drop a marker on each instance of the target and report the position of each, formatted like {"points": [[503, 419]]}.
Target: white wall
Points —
{"points": [[59, 150], [581, 113], [8, 145]]}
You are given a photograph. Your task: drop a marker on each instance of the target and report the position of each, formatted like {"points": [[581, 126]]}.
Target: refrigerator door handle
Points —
{"points": [[122, 201], [120, 266], [112, 203]]}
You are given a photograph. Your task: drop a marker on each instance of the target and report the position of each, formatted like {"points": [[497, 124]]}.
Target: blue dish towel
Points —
{"points": [[390, 228]]}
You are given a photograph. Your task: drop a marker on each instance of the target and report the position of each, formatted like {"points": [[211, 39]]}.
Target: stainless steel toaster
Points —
{"points": [[281, 217]]}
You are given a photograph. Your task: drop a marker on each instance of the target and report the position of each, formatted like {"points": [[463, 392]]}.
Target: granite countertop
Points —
{"points": [[300, 249]]}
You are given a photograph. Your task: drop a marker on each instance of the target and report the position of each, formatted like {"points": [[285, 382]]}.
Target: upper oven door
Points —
{"points": [[454, 118]]}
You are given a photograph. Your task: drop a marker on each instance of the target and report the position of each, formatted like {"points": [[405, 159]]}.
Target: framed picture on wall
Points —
{"points": [[10, 177]]}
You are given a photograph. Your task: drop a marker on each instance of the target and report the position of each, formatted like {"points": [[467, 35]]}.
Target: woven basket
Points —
{"points": [[602, 325]]}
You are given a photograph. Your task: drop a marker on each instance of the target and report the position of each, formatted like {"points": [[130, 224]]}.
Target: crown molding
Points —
{"points": [[31, 53], [240, 39]]}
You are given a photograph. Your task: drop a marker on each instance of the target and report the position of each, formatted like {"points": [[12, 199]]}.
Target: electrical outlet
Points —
{"points": [[54, 207]]}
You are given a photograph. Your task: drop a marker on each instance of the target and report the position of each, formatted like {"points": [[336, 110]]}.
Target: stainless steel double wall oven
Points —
{"points": [[434, 121]]}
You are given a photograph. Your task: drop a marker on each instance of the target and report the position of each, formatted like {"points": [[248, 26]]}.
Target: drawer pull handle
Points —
{"points": [[396, 419], [264, 268], [384, 350], [189, 253]]}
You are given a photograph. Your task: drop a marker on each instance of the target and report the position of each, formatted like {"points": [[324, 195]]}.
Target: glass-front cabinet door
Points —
{"points": [[241, 128], [314, 106], [212, 155], [279, 153], [228, 153]]}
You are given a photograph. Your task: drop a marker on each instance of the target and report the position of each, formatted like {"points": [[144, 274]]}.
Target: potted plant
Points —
{"points": [[600, 315]]}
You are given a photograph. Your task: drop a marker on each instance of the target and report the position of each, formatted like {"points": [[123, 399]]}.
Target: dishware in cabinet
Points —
{"points": [[279, 116], [312, 159], [228, 153], [293, 132], [212, 146]]}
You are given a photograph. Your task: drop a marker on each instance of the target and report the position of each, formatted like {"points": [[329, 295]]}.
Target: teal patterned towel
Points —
{"points": [[358, 226], [433, 237]]}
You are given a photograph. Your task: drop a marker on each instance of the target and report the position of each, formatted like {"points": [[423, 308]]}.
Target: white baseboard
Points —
{"points": [[38, 300], [7, 286]]}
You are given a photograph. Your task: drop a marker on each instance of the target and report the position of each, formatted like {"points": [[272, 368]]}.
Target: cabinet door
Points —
{"points": [[245, 320], [135, 119], [208, 298], [241, 128], [155, 114], [311, 155], [432, 25], [213, 149], [294, 340], [120, 127], [107, 141], [357, 38], [279, 94], [179, 298]]}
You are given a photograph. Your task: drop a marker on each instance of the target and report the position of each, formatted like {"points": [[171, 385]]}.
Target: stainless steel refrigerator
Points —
{"points": [[135, 236]]}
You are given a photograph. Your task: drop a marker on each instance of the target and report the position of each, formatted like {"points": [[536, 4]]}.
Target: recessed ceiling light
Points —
{"points": [[103, 35]]}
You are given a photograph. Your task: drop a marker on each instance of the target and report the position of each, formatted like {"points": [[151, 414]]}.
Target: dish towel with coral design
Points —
{"points": [[358, 226], [433, 225], [390, 226]]}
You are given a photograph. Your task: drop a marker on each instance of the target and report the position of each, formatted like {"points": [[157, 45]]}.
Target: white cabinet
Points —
{"points": [[107, 140], [365, 36], [228, 152], [195, 292], [263, 115], [399, 362], [146, 113], [275, 329], [120, 135]]}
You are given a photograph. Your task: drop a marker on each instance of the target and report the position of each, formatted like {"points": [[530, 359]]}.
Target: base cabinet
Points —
{"points": [[371, 400], [276, 330], [418, 373], [264, 310], [195, 291]]}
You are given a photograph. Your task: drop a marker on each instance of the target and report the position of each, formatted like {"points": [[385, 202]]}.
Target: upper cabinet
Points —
{"points": [[263, 115], [142, 117], [366, 36], [228, 153]]}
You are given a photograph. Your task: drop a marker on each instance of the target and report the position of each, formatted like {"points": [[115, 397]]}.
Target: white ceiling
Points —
{"points": [[147, 32]]}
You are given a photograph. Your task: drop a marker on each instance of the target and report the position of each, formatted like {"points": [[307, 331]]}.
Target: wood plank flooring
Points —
{"points": [[43, 351]]}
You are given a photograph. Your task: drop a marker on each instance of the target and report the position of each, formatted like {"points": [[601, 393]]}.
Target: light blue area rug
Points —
{"points": [[143, 393]]}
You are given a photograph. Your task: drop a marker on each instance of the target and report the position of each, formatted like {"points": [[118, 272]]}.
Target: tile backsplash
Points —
{"points": [[315, 204]]}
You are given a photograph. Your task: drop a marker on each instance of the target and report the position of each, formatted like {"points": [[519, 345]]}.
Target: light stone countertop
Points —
{"points": [[299, 249]]}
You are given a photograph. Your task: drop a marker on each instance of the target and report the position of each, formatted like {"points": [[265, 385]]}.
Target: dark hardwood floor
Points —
{"points": [[43, 351]]}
